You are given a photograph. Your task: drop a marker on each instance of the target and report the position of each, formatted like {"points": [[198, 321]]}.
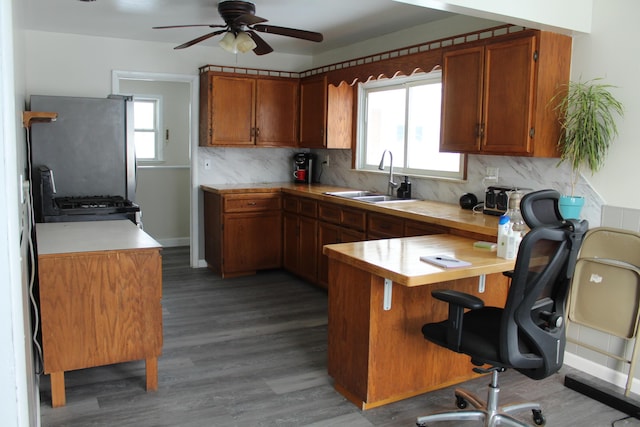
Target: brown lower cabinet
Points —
{"points": [[246, 232], [243, 232], [300, 241]]}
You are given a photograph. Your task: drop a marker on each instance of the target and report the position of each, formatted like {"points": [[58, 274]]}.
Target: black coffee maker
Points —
{"points": [[304, 168]]}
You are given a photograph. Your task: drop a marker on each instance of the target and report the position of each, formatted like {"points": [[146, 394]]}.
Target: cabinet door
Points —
{"points": [[327, 235], [308, 247], [290, 252], [252, 242], [277, 112], [313, 108], [460, 128], [339, 116], [508, 97], [232, 110]]}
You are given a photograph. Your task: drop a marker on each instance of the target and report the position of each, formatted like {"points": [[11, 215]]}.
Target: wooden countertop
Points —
{"points": [[399, 259], [55, 238], [433, 212]]}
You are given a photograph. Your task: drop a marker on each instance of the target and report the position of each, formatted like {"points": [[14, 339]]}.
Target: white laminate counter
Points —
{"points": [[91, 236]]}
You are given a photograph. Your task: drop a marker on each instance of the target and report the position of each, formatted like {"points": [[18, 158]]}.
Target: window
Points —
{"points": [[147, 129], [402, 115]]}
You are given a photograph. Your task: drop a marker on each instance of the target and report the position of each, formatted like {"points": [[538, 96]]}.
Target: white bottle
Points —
{"points": [[517, 227], [503, 233]]}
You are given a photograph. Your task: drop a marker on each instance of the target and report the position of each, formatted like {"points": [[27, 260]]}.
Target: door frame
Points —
{"points": [[193, 81]]}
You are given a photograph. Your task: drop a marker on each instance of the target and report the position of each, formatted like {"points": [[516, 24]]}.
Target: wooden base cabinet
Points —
{"points": [[300, 245], [379, 356], [100, 301], [243, 232]]}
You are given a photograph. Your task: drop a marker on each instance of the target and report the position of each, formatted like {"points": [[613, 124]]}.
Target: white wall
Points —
{"points": [[162, 189], [19, 404]]}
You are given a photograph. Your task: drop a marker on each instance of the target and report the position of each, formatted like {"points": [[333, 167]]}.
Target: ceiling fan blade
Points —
{"points": [[262, 47], [183, 26], [248, 19], [199, 39], [290, 32]]}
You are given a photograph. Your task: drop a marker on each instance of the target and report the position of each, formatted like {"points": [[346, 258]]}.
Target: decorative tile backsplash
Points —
{"points": [[259, 165]]}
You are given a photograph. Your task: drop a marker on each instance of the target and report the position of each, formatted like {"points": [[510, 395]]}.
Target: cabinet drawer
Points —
{"points": [[385, 225], [417, 228], [329, 213], [354, 219], [290, 204], [308, 208], [251, 202]]}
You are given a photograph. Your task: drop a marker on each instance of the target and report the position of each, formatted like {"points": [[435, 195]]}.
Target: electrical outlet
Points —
{"points": [[207, 164], [326, 160], [492, 172]]}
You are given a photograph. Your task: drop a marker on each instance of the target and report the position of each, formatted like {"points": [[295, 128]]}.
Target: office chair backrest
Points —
{"points": [[540, 208], [533, 328]]}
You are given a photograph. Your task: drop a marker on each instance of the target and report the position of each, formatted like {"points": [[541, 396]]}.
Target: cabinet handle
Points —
{"points": [[257, 132], [251, 203]]}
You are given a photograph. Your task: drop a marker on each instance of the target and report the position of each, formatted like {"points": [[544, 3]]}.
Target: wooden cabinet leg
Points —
{"points": [[58, 397], [152, 373]]}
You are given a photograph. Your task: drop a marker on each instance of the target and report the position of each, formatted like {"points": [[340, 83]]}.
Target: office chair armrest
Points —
{"points": [[458, 301], [458, 298]]}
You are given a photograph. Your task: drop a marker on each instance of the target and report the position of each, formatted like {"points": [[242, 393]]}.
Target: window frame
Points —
{"points": [[364, 89], [158, 127]]}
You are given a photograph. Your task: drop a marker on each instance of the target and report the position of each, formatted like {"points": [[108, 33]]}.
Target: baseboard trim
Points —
{"points": [[176, 241]]}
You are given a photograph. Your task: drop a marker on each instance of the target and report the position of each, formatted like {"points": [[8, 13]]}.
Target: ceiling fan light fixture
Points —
{"points": [[228, 42], [244, 42]]}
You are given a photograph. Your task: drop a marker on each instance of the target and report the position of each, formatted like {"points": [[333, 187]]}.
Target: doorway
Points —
{"points": [[167, 190]]}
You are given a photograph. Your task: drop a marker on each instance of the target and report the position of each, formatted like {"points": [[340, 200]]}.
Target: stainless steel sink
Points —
{"points": [[366, 196], [352, 194]]}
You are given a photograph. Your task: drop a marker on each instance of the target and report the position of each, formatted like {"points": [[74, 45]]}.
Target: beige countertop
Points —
{"points": [[91, 236], [399, 259], [433, 212]]}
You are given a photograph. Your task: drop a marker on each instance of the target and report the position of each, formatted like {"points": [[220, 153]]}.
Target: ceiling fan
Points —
{"points": [[241, 25]]}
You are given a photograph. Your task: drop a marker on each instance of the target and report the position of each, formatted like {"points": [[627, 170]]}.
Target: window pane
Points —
{"points": [[385, 125], [424, 131], [145, 143], [144, 114]]}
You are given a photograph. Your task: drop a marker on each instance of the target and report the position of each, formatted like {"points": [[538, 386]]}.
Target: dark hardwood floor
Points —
{"points": [[251, 351]]}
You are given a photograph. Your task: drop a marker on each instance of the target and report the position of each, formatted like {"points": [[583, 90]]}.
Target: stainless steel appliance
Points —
{"points": [[83, 164], [496, 200], [304, 168]]}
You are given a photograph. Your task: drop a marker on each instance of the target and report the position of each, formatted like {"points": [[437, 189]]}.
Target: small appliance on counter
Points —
{"points": [[304, 168], [496, 199]]}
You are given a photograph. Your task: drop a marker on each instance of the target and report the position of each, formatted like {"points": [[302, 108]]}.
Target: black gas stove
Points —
{"points": [[90, 208], [49, 208]]}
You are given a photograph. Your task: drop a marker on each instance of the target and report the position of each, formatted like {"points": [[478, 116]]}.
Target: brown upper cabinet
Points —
{"points": [[246, 111], [326, 114], [496, 95]]}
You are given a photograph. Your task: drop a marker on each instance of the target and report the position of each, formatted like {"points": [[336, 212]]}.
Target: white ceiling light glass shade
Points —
{"points": [[228, 42], [244, 42]]}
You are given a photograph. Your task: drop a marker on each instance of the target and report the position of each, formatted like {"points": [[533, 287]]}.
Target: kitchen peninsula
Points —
{"points": [[100, 298], [379, 298]]}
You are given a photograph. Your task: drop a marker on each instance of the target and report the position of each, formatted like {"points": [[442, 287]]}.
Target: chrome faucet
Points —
{"points": [[392, 185]]}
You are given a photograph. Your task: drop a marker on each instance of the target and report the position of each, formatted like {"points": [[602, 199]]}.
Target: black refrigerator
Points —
{"points": [[83, 164]]}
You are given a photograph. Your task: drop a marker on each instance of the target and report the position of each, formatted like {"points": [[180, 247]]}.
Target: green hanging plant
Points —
{"points": [[587, 114]]}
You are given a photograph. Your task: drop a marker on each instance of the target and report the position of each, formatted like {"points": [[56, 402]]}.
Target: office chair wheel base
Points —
{"points": [[461, 403], [538, 418]]}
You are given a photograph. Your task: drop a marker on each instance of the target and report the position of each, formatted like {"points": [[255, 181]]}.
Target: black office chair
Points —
{"points": [[528, 334]]}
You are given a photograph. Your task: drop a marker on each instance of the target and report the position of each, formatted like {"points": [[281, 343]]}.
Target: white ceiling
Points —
{"points": [[342, 22]]}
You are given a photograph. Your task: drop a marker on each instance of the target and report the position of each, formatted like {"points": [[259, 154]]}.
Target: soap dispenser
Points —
{"points": [[404, 191]]}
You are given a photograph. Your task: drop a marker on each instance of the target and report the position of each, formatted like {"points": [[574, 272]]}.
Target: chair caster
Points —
{"points": [[538, 418], [461, 403]]}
